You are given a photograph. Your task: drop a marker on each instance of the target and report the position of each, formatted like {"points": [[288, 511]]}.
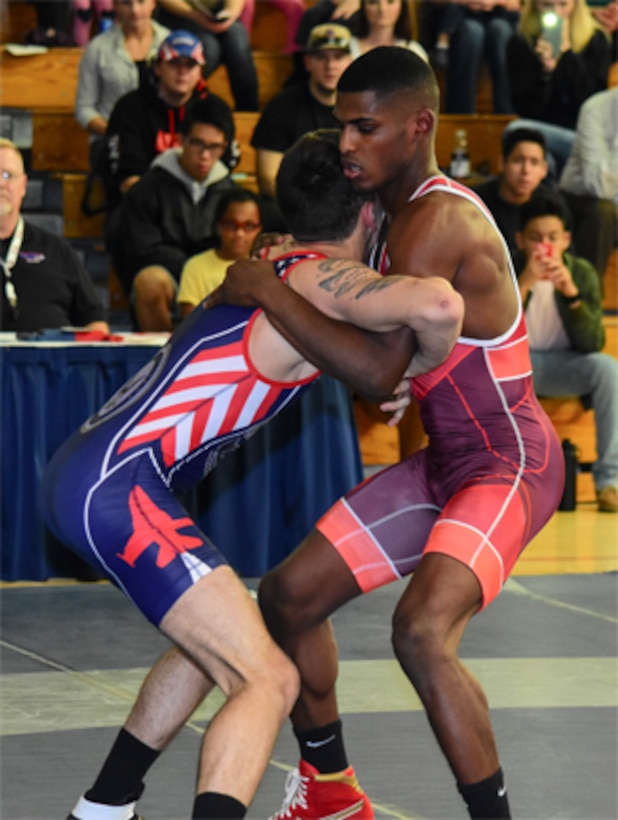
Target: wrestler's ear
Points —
{"points": [[368, 214], [422, 123]]}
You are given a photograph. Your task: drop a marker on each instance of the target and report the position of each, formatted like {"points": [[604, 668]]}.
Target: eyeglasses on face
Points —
{"points": [[233, 225], [215, 149], [9, 176]]}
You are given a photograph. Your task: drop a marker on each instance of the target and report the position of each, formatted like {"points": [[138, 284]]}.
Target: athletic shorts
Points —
{"points": [[482, 515], [129, 525]]}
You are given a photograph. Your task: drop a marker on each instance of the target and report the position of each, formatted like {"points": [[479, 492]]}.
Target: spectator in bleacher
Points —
{"points": [[447, 19], [524, 172], [474, 30], [385, 23], [83, 18], [343, 12], [53, 23], [293, 10], [562, 299], [147, 121], [523, 167], [237, 223], [168, 215], [116, 62], [302, 107], [549, 88], [589, 181], [606, 13], [45, 286], [224, 38]]}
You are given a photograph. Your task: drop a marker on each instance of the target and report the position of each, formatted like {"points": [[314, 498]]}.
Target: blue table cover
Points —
{"points": [[257, 505]]}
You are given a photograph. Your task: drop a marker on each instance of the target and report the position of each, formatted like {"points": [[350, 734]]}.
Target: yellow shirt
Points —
{"points": [[200, 275]]}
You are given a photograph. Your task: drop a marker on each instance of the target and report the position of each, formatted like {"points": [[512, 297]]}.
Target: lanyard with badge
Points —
{"points": [[9, 263]]}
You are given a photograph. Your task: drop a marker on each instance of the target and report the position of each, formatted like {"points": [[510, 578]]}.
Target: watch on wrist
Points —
{"points": [[570, 300]]}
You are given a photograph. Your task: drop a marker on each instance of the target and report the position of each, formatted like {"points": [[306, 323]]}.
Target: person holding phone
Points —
{"points": [[563, 306], [551, 43], [559, 57]]}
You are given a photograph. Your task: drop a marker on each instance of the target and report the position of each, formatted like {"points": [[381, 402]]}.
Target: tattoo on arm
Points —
{"points": [[343, 277]]}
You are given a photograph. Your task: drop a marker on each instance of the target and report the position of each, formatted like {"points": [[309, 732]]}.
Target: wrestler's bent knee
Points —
{"points": [[274, 673], [419, 638], [286, 612]]}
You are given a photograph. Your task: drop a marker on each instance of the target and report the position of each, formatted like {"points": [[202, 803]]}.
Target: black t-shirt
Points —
{"points": [[53, 288], [508, 215], [290, 114]]}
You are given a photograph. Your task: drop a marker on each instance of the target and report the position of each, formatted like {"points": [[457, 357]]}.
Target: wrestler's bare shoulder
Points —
{"points": [[443, 224], [439, 211]]}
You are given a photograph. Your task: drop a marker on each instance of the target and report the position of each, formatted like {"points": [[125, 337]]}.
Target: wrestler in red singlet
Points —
{"points": [[489, 480]]}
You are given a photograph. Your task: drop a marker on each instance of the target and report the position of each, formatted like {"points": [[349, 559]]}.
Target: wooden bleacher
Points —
{"points": [[16, 19], [49, 81], [45, 85], [268, 33], [59, 144], [484, 139]]}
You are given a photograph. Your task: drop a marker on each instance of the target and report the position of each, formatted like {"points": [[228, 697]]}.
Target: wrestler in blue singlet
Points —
{"points": [[110, 492]]}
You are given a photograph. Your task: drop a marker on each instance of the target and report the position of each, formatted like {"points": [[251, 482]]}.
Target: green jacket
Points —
{"points": [[583, 324]]}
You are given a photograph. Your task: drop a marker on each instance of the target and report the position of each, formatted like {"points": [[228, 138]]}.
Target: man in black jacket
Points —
{"points": [[168, 215], [146, 122], [44, 283]]}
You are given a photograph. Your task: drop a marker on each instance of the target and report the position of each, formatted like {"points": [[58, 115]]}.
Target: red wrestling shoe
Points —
{"points": [[310, 795]]}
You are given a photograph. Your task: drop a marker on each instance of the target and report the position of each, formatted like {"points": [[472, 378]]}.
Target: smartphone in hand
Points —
{"points": [[551, 31]]}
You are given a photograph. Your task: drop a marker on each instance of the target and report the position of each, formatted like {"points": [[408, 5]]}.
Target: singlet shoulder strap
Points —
{"points": [[447, 185], [451, 186], [288, 261]]}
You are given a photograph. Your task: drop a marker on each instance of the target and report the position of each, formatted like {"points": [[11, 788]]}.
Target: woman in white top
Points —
{"points": [[113, 62], [386, 23]]}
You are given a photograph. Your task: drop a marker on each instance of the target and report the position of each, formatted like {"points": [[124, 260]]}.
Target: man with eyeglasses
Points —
{"points": [[147, 121], [169, 214], [45, 286]]}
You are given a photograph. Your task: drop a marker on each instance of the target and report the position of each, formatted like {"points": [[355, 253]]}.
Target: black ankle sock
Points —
{"points": [[323, 747], [120, 779], [211, 805], [487, 799]]}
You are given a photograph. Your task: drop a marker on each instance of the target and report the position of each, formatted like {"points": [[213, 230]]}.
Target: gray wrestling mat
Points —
{"points": [[73, 657]]}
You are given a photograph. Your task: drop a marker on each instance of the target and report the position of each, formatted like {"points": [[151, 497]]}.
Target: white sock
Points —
{"points": [[86, 810]]}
